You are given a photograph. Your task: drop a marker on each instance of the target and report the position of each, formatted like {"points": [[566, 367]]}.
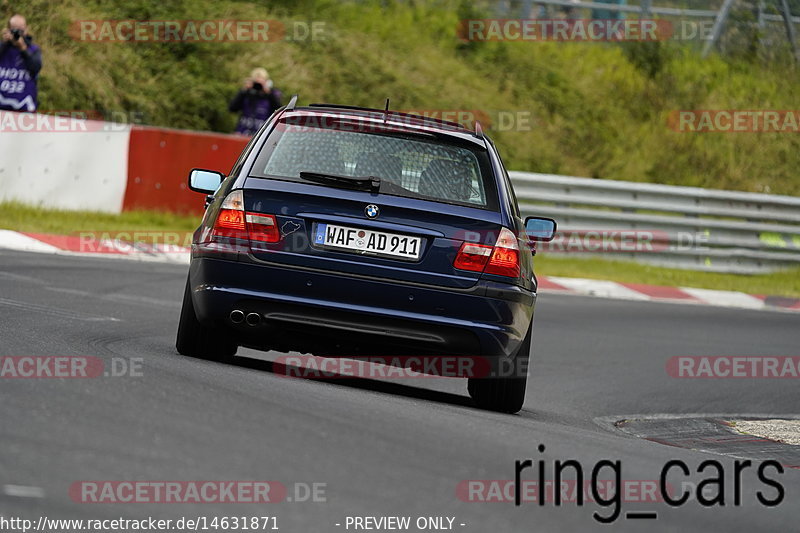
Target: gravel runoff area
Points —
{"points": [[781, 430]]}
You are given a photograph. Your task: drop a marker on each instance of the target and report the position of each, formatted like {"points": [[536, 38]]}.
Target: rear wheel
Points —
{"points": [[197, 340], [504, 394]]}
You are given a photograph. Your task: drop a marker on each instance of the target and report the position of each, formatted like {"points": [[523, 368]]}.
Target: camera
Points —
{"points": [[17, 34], [258, 87]]}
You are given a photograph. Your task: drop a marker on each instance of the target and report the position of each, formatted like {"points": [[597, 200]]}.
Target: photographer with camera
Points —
{"points": [[20, 63], [257, 100]]}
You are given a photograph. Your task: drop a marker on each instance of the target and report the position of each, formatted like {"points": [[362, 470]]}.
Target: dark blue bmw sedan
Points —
{"points": [[346, 232]]}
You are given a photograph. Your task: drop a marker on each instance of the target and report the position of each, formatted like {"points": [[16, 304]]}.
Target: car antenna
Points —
{"points": [[479, 134], [289, 107], [386, 111], [478, 130]]}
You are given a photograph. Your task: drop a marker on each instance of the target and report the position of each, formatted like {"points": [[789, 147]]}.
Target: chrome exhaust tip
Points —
{"points": [[237, 316], [253, 319]]}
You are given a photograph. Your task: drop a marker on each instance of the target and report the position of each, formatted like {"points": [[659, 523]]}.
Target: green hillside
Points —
{"points": [[597, 109]]}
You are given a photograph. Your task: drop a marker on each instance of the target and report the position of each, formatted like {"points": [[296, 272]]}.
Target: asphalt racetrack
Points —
{"points": [[377, 447]]}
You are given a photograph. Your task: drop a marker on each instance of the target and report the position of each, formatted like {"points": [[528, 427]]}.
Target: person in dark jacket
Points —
{"points": [[257, 100], [20, 63]]}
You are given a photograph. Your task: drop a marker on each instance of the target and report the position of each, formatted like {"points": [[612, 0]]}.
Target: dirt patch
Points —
{"points": [[786, 431]]}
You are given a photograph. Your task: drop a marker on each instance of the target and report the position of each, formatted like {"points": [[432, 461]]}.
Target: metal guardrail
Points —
{"points": [[639, 10], [681, 227], [646, 9], [642, 10]]}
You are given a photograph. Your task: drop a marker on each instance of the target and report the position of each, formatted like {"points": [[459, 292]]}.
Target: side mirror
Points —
{"points": [[540, 229], [205, 181]]}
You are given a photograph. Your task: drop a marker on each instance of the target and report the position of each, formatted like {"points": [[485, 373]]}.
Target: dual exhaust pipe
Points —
{"points": [[238, 316]]}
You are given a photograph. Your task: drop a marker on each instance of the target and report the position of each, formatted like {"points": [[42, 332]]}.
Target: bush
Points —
{"points": [[597, 109]]}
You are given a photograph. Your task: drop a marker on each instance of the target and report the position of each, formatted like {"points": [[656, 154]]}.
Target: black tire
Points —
{"points": [[504, 394], [197, 340]]}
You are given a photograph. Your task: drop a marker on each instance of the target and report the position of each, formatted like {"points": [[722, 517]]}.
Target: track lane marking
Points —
{"points": [[56, 312], [23, 491], [119, 298]]}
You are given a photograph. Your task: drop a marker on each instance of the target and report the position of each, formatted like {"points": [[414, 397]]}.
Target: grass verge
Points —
{"points": [[18, 217]]}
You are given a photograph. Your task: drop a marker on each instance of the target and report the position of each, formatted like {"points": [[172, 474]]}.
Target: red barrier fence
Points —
{"points": [[159, 161]]}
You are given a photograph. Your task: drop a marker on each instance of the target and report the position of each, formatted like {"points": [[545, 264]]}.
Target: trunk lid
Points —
{"points": [[328, 228]]}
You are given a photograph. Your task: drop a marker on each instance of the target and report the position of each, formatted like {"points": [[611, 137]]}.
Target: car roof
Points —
{"points": [[394, 120]]}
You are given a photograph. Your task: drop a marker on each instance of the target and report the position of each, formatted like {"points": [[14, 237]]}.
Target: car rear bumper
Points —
{"points": [[326, 312]]}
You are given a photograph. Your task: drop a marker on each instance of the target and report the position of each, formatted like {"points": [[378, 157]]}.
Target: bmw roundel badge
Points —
{"points": [[372, 211]]}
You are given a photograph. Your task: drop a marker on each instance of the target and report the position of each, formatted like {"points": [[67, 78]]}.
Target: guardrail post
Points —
{"points": [[787, 20], [645, 9], [760, 22], [719, 23]]}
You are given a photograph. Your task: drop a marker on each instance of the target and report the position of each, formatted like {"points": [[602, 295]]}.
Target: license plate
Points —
{"points": [[366, 241]]}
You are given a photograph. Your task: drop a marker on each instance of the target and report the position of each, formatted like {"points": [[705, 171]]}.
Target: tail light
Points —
{"points": [[502, 259], [230, 219], [473, 257], [505, 257], [263, 228], [234, 222]]}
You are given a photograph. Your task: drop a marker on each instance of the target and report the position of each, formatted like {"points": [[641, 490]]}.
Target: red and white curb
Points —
{"points": [[686, 295], [75, 246]]}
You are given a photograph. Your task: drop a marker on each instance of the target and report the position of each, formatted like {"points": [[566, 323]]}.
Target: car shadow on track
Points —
{"points": [[396, 389]]}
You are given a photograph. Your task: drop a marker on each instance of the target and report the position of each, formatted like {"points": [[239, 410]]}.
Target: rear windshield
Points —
{"points": [[416, 166]]}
